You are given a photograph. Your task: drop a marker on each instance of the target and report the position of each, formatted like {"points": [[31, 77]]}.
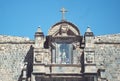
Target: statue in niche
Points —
{"points": [[64, 54], [63, 57]]}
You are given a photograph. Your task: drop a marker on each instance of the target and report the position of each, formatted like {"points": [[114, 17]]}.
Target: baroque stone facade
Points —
{"points": [[63, 55]]}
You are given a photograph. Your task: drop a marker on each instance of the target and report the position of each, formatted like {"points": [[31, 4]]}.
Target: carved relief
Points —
{"points": [[38, 58], [66, 26], [64, 30], [89, 58]]}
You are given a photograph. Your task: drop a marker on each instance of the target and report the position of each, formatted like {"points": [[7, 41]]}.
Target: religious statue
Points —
{"points": [[63, 56]]}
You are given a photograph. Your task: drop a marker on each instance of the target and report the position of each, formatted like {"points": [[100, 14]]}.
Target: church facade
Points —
{"points": [[63, 55]]}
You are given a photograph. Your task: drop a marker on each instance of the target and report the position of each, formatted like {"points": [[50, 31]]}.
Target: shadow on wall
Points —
{"points": [[29, 60], [82, 62]]}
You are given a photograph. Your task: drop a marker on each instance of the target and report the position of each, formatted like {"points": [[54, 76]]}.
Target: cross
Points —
{"points": [[63, 10]]}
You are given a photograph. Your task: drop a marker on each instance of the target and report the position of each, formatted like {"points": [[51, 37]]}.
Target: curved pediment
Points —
{"points": [[64, 28]]}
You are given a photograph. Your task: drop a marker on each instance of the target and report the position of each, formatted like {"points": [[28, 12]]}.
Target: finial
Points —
{"points": [[63, 10], [88, 26], [39, 29], [88, 29]]}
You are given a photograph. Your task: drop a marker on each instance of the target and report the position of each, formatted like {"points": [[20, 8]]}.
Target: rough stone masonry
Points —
{"points": [[16, 52]]}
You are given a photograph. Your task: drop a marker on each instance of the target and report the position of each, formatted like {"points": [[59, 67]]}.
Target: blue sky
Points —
{"points": [[22, 17]]}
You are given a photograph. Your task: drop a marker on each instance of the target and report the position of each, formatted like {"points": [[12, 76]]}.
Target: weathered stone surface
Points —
{"points": [[14, 39], [112, 38], [15, 51], [107, 55], [12, 57]]}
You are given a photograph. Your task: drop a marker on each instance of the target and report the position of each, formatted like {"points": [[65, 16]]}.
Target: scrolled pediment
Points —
{"points": [[64, 28]]}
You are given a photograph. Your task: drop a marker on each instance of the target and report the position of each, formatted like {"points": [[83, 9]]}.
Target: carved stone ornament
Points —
{"points": [[89, 58], [38, 58]]}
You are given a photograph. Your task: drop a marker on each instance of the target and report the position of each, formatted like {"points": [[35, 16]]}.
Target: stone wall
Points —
{"points": [[14, 51], [10, 39], [107, 55], [112, 38]]}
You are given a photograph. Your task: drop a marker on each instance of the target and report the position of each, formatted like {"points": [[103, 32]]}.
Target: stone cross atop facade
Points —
{"points": [[63, 10]]}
